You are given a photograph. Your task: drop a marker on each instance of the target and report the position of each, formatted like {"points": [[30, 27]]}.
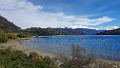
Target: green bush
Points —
{"points": [[17, 59], [22, 35], [3, 38], [11, 36]]}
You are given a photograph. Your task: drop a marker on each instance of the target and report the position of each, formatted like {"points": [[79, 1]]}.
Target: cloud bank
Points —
{"points": [[26, 14]]}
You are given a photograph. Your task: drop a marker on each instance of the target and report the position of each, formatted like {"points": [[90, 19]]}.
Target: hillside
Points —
{"points": [[87, 31], [61, 31], [110, 32], [8, 26], [52, 31]]}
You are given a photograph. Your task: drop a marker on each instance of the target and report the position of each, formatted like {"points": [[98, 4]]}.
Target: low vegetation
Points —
{"points": [[77, 59], [23, 35], [4, 37], [17, 59], [10, 58], [11, 36]]}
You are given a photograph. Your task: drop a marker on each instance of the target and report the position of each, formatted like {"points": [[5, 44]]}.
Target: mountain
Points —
{"points": [[110, 32], [107, 28], [87, 31], [90, 27], [52, 31], [61, 31], [6, 25]]}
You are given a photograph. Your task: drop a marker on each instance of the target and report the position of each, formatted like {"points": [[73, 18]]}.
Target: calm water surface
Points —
{"points": [[103, 47]]}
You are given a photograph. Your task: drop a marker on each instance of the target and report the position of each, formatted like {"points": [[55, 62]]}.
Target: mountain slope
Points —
{"points": [[6, 25], [52, 31], [88, 31], [61, 31], [110, 32]]}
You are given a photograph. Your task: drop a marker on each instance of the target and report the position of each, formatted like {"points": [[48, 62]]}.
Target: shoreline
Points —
{"points": [[18, 45]]}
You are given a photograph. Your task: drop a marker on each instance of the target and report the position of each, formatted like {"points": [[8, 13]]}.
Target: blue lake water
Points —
{"points": [[103, 47]]}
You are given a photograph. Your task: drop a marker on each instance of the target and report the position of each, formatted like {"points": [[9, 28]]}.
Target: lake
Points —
{"points": [[101, 46]]}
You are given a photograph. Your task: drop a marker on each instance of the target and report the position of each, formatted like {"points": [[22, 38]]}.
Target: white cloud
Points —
{"points": [[96, 21], [25, 14], [96, 28]]}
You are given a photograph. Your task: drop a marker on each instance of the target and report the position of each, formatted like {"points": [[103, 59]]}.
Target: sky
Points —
{"points": [[56, 13]]}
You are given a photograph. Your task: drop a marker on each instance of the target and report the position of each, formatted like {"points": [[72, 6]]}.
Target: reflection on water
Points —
{"points": [[105, 47]]}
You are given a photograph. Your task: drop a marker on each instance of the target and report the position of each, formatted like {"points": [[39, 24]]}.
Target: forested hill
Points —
{"points": [[6, 25], [110, 32], [52, 31]]}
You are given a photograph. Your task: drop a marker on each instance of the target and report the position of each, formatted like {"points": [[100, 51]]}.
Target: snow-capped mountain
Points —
{"points": [[90, 27], [78, 26], [108, 28]]}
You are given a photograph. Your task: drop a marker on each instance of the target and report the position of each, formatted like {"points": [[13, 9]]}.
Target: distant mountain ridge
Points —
{"points": [[110, 32], [52, 31], [90, 27], [6, 25], [62, 31], [89, 31]]}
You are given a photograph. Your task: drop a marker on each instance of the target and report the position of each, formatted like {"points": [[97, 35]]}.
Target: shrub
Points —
{"points": [[77, 59], [48, 62], [3, 38], [18, 59], [34, 56], [11, 36], [22, 35]]}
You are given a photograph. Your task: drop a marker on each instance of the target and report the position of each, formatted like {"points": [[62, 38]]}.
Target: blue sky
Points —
{"points": [[80, 7], [90, 8], [55, 13]]}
